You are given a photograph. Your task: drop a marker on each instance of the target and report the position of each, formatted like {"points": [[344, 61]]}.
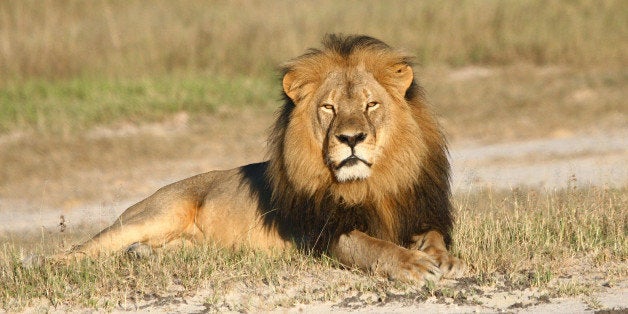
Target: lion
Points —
{"points": [[357, 169]]}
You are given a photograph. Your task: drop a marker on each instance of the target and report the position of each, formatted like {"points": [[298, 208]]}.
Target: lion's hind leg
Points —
{"points": [[433, 244], [149, 224]]}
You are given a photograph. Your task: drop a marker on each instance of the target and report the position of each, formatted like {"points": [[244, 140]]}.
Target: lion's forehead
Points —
{"points": [[342, 85]]}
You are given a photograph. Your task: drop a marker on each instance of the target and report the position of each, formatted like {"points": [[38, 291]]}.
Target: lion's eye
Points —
{"points": [[372, 105], [327, 107]]}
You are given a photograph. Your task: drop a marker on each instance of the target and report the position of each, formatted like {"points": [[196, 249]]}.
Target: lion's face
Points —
{"points": [[350, 115]]}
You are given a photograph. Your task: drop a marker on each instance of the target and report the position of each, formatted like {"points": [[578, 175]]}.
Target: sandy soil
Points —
{"points": [[485, 300], [551, 163], [547, 163]]}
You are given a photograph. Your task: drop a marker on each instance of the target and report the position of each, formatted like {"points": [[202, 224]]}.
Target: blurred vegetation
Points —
{"points": [[62, 39], [68, 105], [70, 64]]}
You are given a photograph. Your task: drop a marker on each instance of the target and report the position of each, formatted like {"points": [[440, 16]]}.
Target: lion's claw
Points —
{"points": [[415, 266], [452, 267]]}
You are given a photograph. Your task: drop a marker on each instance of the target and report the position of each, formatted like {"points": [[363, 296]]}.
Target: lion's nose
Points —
{"points": [[352, 139]]}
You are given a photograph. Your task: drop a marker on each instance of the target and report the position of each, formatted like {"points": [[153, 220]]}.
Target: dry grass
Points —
{"points": [[521, 101], [518, 239], [534, 237], [65, 39]]}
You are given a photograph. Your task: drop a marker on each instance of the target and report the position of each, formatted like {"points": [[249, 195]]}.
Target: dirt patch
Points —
{"points": [[353, 292], [550, 163]]}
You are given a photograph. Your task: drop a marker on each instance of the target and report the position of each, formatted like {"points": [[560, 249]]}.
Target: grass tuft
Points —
{"points": [[535, 237]]}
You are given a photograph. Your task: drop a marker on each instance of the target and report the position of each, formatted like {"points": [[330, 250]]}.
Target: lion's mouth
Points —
{"points": [[352, 161]]}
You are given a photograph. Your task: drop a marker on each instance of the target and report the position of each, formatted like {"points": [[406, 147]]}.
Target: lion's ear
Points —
{"points": [[404, 76], [291, 86]]}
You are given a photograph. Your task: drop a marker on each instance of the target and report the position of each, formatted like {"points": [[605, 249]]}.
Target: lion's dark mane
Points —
{"points": [[316, 221]]}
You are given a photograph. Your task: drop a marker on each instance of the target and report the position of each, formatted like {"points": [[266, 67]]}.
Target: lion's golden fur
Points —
{"points": [[389, 212], [406, 195]]}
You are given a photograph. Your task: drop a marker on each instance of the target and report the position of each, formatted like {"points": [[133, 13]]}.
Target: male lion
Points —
{"points": [[358, 169]]}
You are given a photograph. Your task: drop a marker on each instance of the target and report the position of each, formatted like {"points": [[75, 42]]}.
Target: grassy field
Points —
{"points": [[67, 65], [97, 93], [525, 238], [522, 101], [64, 107], [64, 39]]}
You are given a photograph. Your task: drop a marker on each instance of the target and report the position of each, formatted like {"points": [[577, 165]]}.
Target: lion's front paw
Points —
{"points": [[432, 244], [411, 265], [451, 266]]}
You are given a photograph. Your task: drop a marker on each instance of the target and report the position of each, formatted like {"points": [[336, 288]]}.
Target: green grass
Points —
{"points": [[518, 239], [53, 106]]}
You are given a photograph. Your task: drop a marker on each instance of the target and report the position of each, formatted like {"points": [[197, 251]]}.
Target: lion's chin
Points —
{"points": [[354, 172]]}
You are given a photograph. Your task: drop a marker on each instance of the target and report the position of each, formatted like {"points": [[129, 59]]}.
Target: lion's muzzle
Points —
{"points": [[349, 159], [352, 161], [351, 140]]}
